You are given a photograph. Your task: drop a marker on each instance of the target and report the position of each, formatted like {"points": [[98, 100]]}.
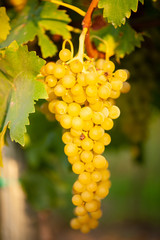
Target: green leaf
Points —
{"points": [[4, 26], [116, 11], [19, 89], [47, 47], [120, 41], [36, 20]]}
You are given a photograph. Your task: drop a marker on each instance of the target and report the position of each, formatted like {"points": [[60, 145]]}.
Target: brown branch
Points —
{"points": [[87, 22], [87, 19], [91, 48]]}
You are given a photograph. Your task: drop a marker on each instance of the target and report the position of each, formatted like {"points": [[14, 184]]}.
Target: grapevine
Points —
{"points": [[81, 95]]}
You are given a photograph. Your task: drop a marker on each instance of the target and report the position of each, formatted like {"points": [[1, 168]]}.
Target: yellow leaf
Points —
{"points": [[4, 26], [2, 134]]}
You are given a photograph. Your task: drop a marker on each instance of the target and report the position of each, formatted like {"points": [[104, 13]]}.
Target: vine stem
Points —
{"points": [[86, 23], [87, 19]]}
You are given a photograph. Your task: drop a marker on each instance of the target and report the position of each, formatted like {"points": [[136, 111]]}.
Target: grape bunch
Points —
{"points": [[81, 96]]}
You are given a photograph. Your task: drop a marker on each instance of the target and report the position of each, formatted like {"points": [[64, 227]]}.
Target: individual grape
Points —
{"points": [[77, 200], [67, 97], [106, 139], [98, 147], [105, 174], [91, 78], [49, 68], [51, 106], [107, 124], [60, 107], [87, 196], [92, 206], [101, 79], [74, 109], [85, 228], [97, 214], [77, 123], [67, 138], [77, 141], [59, 71], [108, 67], [89, 167], [102, 191], [78, 167], [80, 98], [68, 81], [66, 121], [117, 85], [98, 117], [96, 176], [126, 87], [76, 66], [51, 81], [80, 210], [73, 159], [75, 133], [87, 144], [71, 149], [86, 113], [86, 156], [97, 106], [75, 224], [115, 94], [43, 71], [51, 96], [105, 112], [99, 63], [99, 161], [59, 90], [84, 219], [58, 117], [84, 177], [96, 133], [81, 79], [87, 125], [114, 112], [79, 187], [92, 186], [104, 92], [91, 91], [121, 75], [76, 89], [65, 55]]}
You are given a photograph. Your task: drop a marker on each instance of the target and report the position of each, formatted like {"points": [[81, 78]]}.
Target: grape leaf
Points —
{"points": [[36, 20], [116, 11], [47, 46], [4, 26], [19, 89], [120, 41]]}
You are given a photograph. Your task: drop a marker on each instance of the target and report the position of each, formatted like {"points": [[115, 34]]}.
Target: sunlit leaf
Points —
{"points": [[116, 11], [19, 89], [4, 24]]}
